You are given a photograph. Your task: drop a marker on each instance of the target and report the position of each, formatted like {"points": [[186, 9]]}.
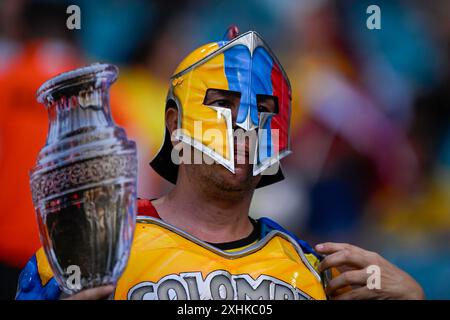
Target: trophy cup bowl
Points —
{"points": [[84, 182]]}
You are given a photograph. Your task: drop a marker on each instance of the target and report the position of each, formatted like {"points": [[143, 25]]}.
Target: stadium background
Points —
{"points": [[370, 127]]}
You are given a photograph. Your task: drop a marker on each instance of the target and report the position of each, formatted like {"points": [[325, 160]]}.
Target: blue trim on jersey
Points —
{"points": [[268, 225], [30, 286]]}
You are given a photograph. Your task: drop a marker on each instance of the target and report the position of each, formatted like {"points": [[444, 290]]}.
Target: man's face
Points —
{"points": [[217, 174]]}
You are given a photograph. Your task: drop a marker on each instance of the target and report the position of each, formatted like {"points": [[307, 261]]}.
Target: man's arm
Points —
{"points": [[31, 287]]}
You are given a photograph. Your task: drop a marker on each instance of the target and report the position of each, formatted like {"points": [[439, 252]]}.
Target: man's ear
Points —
{"points": [[171, 118]]}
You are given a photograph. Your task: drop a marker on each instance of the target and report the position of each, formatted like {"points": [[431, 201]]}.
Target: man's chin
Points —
{"points": [[242, 178]]}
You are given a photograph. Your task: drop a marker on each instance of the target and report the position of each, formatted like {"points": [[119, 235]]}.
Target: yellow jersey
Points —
{"points": [[168, 263]]}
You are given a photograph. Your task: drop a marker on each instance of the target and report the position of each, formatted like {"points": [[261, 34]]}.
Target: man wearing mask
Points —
{"points": [[227, 127]]}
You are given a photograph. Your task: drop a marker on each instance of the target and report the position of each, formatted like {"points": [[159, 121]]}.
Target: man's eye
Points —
{"points": [[221, 103], [262, 108]]}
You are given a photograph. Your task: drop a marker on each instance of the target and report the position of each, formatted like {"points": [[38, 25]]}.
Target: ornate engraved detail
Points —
{"points": [[78, 174]]}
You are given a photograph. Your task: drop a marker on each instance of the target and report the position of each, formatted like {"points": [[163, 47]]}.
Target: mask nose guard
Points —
{"points": [[247, 117]]}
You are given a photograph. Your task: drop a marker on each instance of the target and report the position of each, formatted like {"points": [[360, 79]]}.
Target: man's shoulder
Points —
{"points": [[268, 225], [146, 208], [36, 281]]}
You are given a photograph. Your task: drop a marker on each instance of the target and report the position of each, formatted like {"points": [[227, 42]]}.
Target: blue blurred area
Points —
{"points": [[430, 268], [113, 30], [404, 40], [370, 122]]}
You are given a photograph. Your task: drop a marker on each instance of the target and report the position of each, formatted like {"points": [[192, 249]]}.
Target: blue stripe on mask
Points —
{"points": [[251, 77], [237, 71], [262, 84]]}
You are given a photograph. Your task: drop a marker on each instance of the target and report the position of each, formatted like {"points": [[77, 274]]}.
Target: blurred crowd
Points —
{"points": [[370, 128]]}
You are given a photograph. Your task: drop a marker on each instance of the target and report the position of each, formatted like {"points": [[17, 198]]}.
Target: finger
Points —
{"points": [[344, 257], [98, 293], [362, 293], [332, 247], [349, 278]]}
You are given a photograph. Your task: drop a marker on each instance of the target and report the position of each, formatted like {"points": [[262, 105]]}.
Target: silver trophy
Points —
{"points": [[84, 181]]}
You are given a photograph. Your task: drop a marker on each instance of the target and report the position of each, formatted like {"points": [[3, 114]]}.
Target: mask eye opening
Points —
{"points": [[269, 103], [212, 95]]}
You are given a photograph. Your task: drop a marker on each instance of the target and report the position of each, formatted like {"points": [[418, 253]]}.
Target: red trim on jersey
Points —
{"points": [[146, 208]]}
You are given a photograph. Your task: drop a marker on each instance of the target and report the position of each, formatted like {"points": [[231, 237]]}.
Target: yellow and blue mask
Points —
{"points": [[245, 65]]}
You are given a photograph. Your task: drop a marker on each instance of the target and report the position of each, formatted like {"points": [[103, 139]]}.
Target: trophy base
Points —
{"points": [[87, 235]]}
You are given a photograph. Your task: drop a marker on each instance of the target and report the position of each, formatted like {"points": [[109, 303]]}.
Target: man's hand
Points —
{"points": [[99, 293], [353, 261]]}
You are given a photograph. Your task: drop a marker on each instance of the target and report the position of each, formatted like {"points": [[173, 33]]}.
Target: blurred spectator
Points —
{"points": [[33, 52]]}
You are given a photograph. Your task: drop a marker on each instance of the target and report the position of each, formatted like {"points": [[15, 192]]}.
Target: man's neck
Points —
{"points": [[209, 217]]}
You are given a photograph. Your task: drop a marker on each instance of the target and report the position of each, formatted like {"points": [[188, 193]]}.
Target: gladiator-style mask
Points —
{"points": [[246, 66]]}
